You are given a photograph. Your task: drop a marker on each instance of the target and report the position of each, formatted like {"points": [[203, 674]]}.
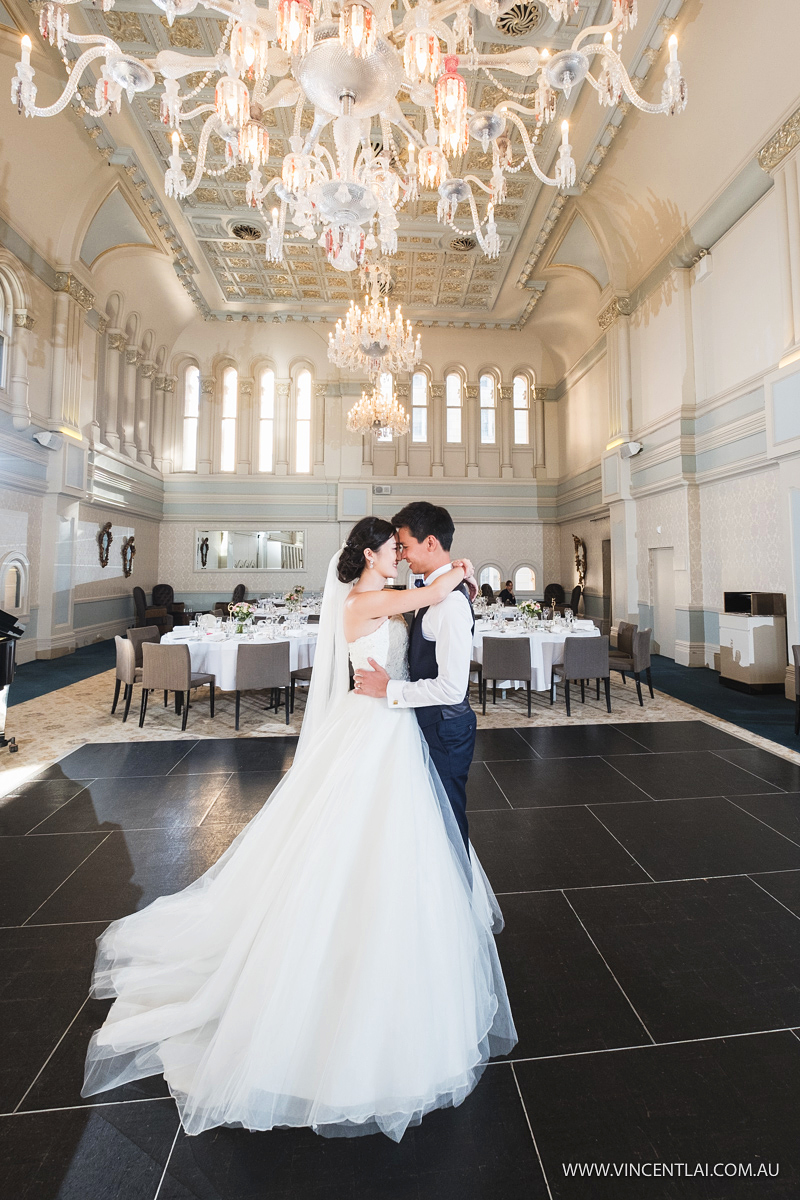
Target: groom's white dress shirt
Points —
{"points": [[449, 625]]}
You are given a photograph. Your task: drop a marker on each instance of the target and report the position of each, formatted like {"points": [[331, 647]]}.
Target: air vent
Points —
{"points": [[463, 244], [246, 233], [386, 286], [519, 20]]}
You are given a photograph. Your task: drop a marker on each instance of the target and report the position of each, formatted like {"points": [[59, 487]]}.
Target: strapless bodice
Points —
{"points": [[387, 645]]}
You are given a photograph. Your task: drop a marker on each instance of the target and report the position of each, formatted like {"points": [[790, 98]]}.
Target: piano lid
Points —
{"points": [[9, 626]]}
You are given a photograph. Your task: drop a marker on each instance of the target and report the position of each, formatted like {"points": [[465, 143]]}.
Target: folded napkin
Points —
{"points": [[583, 624], [215, 637]]}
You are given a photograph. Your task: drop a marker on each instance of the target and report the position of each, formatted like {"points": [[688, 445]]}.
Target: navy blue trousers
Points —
{"points": [[452, 745]]}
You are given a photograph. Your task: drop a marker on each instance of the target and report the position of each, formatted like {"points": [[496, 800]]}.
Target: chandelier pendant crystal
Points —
{"points": [[357, 28], [451, 108], [422, 53], [376, 413], [232, 103], [295, 26], [249, 52]]}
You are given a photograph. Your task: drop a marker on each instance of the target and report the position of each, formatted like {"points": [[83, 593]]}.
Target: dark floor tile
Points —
{"points": [[59, 1085], [44, 979], [572, 741], [32, 867], [698, 959], [118, 760], [679, 735], [780, 812], [132, 869], [482, 789], [242, 797], [528, 849], [33, 802], [784, 886], [238, 754], [118, 1152], [170, 802], [777, 771], [684, 839], [563, 996], [561, 781], [674, 776], [492, 744], [729, 1101], [481, 1150]]}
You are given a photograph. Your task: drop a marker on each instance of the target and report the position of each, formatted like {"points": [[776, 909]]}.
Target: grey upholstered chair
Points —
{"points": [[148, 633], [263, 666], [476, 668], [301, 675], [150, 614], [127, 673], [584, 658], [169, 669], [796, 657], [624, 647], [506, 658], [636, 662]]}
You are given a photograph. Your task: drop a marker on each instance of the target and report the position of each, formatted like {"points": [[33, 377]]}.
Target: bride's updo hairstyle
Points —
{"points": [[369, 534]]}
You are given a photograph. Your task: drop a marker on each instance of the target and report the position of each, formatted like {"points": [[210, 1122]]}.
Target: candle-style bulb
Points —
{"points": [[673, 48], [608, 40], [26, 50], [565, 133], [176, 142]]}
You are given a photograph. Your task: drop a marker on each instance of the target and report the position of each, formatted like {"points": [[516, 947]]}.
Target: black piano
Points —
{"points": [[10, 632]]}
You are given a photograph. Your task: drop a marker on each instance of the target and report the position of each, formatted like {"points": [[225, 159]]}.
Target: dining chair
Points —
{"points": [[149, 633], [636, 662], [169, 669], [150, 614], [796, 657], [624, 646], [264, 666], [584, 658], [476, 668], [506, 658], [127, 673], [301, 675]]}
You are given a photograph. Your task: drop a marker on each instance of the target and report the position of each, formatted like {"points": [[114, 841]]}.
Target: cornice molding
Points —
{"points": [[67, 282], [782, 142], [620, 306]]}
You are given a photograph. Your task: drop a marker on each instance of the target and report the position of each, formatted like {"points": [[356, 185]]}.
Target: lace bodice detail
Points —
{"points": [[388, 645]]}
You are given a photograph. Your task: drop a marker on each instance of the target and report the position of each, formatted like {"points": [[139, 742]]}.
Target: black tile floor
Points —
{"points": [[650, 879]]}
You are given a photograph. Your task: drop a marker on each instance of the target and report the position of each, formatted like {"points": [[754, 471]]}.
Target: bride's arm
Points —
{"points": [[387, 603]]}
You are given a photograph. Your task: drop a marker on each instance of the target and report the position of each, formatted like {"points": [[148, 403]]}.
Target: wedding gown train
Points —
{"points": [[336, 968]]}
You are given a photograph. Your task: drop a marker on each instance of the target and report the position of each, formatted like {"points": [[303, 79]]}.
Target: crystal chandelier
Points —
{"points": [[377, 412], [348, 61], [371, 340]]}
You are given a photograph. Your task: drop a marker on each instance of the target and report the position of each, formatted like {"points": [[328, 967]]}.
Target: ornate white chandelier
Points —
{"points": [[349, 61], [377, 412], [370, 339]]}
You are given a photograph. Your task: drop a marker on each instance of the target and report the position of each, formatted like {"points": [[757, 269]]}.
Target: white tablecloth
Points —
{"points": [[547, 649], [219, 658]]}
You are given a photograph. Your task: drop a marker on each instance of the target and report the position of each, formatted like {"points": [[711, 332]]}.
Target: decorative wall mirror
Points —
{"points": [[249, 550], [128, 551], [104, 540]]}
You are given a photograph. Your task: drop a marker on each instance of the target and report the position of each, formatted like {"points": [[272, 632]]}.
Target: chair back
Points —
{"points": [[553, 594], [163, 595], [262, 666], [239, 593], [166, 668], [507, 658], [139, 605], [313, 618], [148, 633], [585, 658], [625, 632], [126, 660], [641, 649], [796, 656], [574, 599]]}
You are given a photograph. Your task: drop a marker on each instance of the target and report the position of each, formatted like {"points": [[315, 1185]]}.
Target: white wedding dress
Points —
{"points": [[336, 968]]}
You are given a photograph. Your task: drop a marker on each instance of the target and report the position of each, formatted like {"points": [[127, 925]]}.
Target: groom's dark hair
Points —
{"points": [[426, 520]]}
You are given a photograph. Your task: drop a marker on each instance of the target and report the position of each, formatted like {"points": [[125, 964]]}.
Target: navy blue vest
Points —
{"points": [[422, 664]]}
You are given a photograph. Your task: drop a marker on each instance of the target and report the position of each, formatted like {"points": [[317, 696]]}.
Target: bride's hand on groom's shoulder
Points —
{"points": [[469, 576]]}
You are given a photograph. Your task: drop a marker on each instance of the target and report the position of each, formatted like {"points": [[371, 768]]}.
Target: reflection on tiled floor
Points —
{"points": [[649, 875]]}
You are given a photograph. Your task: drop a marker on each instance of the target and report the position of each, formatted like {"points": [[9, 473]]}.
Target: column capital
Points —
{"points": [[23, 319], [149, 370], [117, 340], [506, 391], [539, 393], [134, 356], [207, 385], [620, 306], [66, 282], [471, 391], [245, 387], [169, 383]]}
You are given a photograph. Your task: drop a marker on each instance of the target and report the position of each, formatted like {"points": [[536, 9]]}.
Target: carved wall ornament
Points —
{"points": [[506, 391], [780, 144], [472, 391], [282, 389], [128, 550], [23, 319], [620, 306], [320, 390], [169, 383], [207, 386], [66, 282], [540, 393], [437, 391], [204, 552], [580, 559], [117, 340], [104, 540]]}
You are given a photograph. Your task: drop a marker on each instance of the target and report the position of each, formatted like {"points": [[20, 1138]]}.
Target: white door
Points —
{"points": [[663, 576]]}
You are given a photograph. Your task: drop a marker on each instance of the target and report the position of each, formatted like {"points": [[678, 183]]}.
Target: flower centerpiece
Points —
{"points": [[294, 598], [241, 614], [531, 610]]}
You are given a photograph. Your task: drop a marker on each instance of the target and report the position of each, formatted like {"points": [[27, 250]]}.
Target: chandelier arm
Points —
{"points": [[592, 29], [526, 141], [210, 126], [476, 224], [196, 112], [72, 83], [474, 179], [625, 80], [446, 34]]}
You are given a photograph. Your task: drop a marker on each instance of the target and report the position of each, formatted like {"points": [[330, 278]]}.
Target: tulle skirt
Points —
{"points": [[336, 968]]}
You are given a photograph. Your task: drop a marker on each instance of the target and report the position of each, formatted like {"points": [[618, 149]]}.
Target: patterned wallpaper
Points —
{"points": [[741, 543], [666, 511], [21, 530], [593, 534], [93, 581]]}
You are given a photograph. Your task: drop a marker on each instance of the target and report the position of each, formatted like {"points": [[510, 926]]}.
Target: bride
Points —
{"points": [[336, 967]]}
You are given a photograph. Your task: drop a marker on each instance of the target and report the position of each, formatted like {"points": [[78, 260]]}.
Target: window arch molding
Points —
{"points": [[526, 564], [301, 415], [490, 572], [15, 322], [15, 574]]}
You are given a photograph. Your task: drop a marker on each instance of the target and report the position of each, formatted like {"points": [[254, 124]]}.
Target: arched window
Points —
{"points": [[385, 387], [6, 329], [14, 573], [488, 402], [230, 388], [303, 424], [524, 579], [266, 420], [452, 392], [419, 407], [522, 398], [191, 413], [490, 575]]}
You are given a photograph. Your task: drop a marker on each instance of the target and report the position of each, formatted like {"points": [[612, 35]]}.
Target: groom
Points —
{"points": [[439, 656]]}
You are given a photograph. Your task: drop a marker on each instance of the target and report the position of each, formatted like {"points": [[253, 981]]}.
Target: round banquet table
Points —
{"points": [[547, 650], [218, 658]]}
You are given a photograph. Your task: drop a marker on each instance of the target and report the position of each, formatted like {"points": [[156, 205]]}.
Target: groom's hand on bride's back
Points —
{"points": [[371, 683]]}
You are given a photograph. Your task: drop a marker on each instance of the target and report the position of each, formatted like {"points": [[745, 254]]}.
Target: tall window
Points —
{"points": [[230, 387], [487, 397], [385, 388], [524, 579], [419, 407], [191, 413], [266, 421], [452, 395], [6, 326], [303, 424], [521, 411]]}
